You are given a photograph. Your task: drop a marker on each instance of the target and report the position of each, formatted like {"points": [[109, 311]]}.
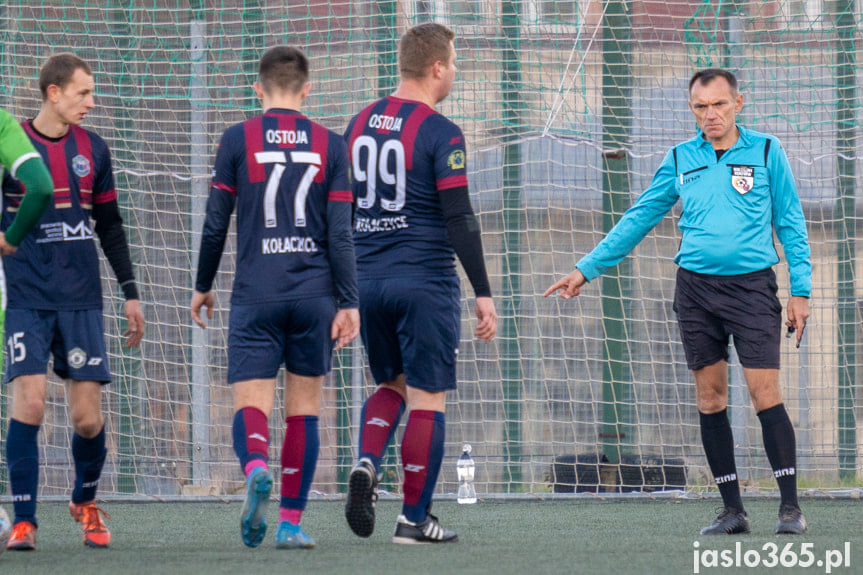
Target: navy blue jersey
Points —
{"points": [[56, 267], [403, 155], [282, 170]]}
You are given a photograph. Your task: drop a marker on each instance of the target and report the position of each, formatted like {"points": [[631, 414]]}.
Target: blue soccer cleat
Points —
{"points": [[290, 536], [253, 521]]}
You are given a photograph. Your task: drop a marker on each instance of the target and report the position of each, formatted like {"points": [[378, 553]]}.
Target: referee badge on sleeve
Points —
{"points": [[742, 178]]}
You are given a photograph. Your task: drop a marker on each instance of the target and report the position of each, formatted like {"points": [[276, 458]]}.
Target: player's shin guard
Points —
{"points": [[251, 434], [89, 456], [422, 453], [22, 458], [380, 418], [299, 459], [781, 445], [718, 440]]}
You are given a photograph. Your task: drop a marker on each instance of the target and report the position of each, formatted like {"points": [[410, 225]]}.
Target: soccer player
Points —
{"points": [[55, 298], [737, 189], [294, 292], [413, 217], [24, 163]]}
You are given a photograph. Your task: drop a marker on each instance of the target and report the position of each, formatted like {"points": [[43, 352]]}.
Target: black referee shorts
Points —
{"points": [[711, 308]]}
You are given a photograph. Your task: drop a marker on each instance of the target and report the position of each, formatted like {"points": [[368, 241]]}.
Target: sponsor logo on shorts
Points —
{"points": [[77, 357]]}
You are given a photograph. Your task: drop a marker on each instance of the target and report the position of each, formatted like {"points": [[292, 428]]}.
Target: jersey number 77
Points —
{"points": [[313, 159]]}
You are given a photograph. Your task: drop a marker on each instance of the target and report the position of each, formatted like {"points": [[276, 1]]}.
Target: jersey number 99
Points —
{"points": [[378, 165]]}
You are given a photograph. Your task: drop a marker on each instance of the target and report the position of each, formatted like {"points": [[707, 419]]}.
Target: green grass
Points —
{"points": [[500, 537]]}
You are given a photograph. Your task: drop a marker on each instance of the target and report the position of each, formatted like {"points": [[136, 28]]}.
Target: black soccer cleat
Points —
{"points": [[791, 520], [426, 531], [729, 522], [360, 507]]}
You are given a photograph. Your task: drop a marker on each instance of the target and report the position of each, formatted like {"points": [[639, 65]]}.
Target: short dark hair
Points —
{"points": [[58, 71], [422, 46], [704, 77], [283, 69]]}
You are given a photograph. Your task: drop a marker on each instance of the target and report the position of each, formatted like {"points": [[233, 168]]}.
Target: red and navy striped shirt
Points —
{"points": [[56, 267], [403, 156], [281, 170]]}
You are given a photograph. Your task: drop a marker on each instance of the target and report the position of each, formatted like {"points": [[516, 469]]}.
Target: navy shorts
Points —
{"points": [[411, 326], [712, 308], [74, 338], [297, 333]]}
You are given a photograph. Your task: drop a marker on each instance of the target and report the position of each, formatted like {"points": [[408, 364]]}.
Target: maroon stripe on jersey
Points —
{"points": [[286, 123], [85, 182], [393, 107], [452, 182], [229, 189], [320, 145], [56, 161], [59, 173], [409, 132], [359, 125], [340, 196], [105, 197], [253, 132]]}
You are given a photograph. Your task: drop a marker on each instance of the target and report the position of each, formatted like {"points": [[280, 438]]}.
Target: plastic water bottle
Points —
{"points": [[466, 469]]}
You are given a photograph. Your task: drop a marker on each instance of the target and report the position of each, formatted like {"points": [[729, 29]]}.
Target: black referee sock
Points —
{"points": [[781, 447], [718, 441]]}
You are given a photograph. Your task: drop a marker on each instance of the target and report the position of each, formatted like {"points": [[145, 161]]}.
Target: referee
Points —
{"points": [[736, 188]]}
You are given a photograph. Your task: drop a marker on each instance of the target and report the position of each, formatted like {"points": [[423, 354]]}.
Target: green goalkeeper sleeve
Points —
{"points": [[39, 189]]}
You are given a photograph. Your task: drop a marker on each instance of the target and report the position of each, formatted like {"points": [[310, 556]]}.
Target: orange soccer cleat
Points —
{"points": [[23, 537], [95, 532]]}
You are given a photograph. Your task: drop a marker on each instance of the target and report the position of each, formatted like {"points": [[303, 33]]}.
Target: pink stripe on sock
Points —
{"points": [[292, 516], [254, 464]]}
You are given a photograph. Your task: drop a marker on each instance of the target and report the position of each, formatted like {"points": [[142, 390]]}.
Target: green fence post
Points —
{"points": [[846, 153], [616, 114], [511, 371]]}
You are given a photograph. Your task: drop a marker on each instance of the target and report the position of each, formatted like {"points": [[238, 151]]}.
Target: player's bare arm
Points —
{"points": [[569, 286], [199, 300], [346, 327], [797, 310], [6, 249], [135, 318], [486, 326]]}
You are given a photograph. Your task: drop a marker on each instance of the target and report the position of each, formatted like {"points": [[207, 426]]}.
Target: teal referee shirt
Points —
{"points": [[730, 208]]}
